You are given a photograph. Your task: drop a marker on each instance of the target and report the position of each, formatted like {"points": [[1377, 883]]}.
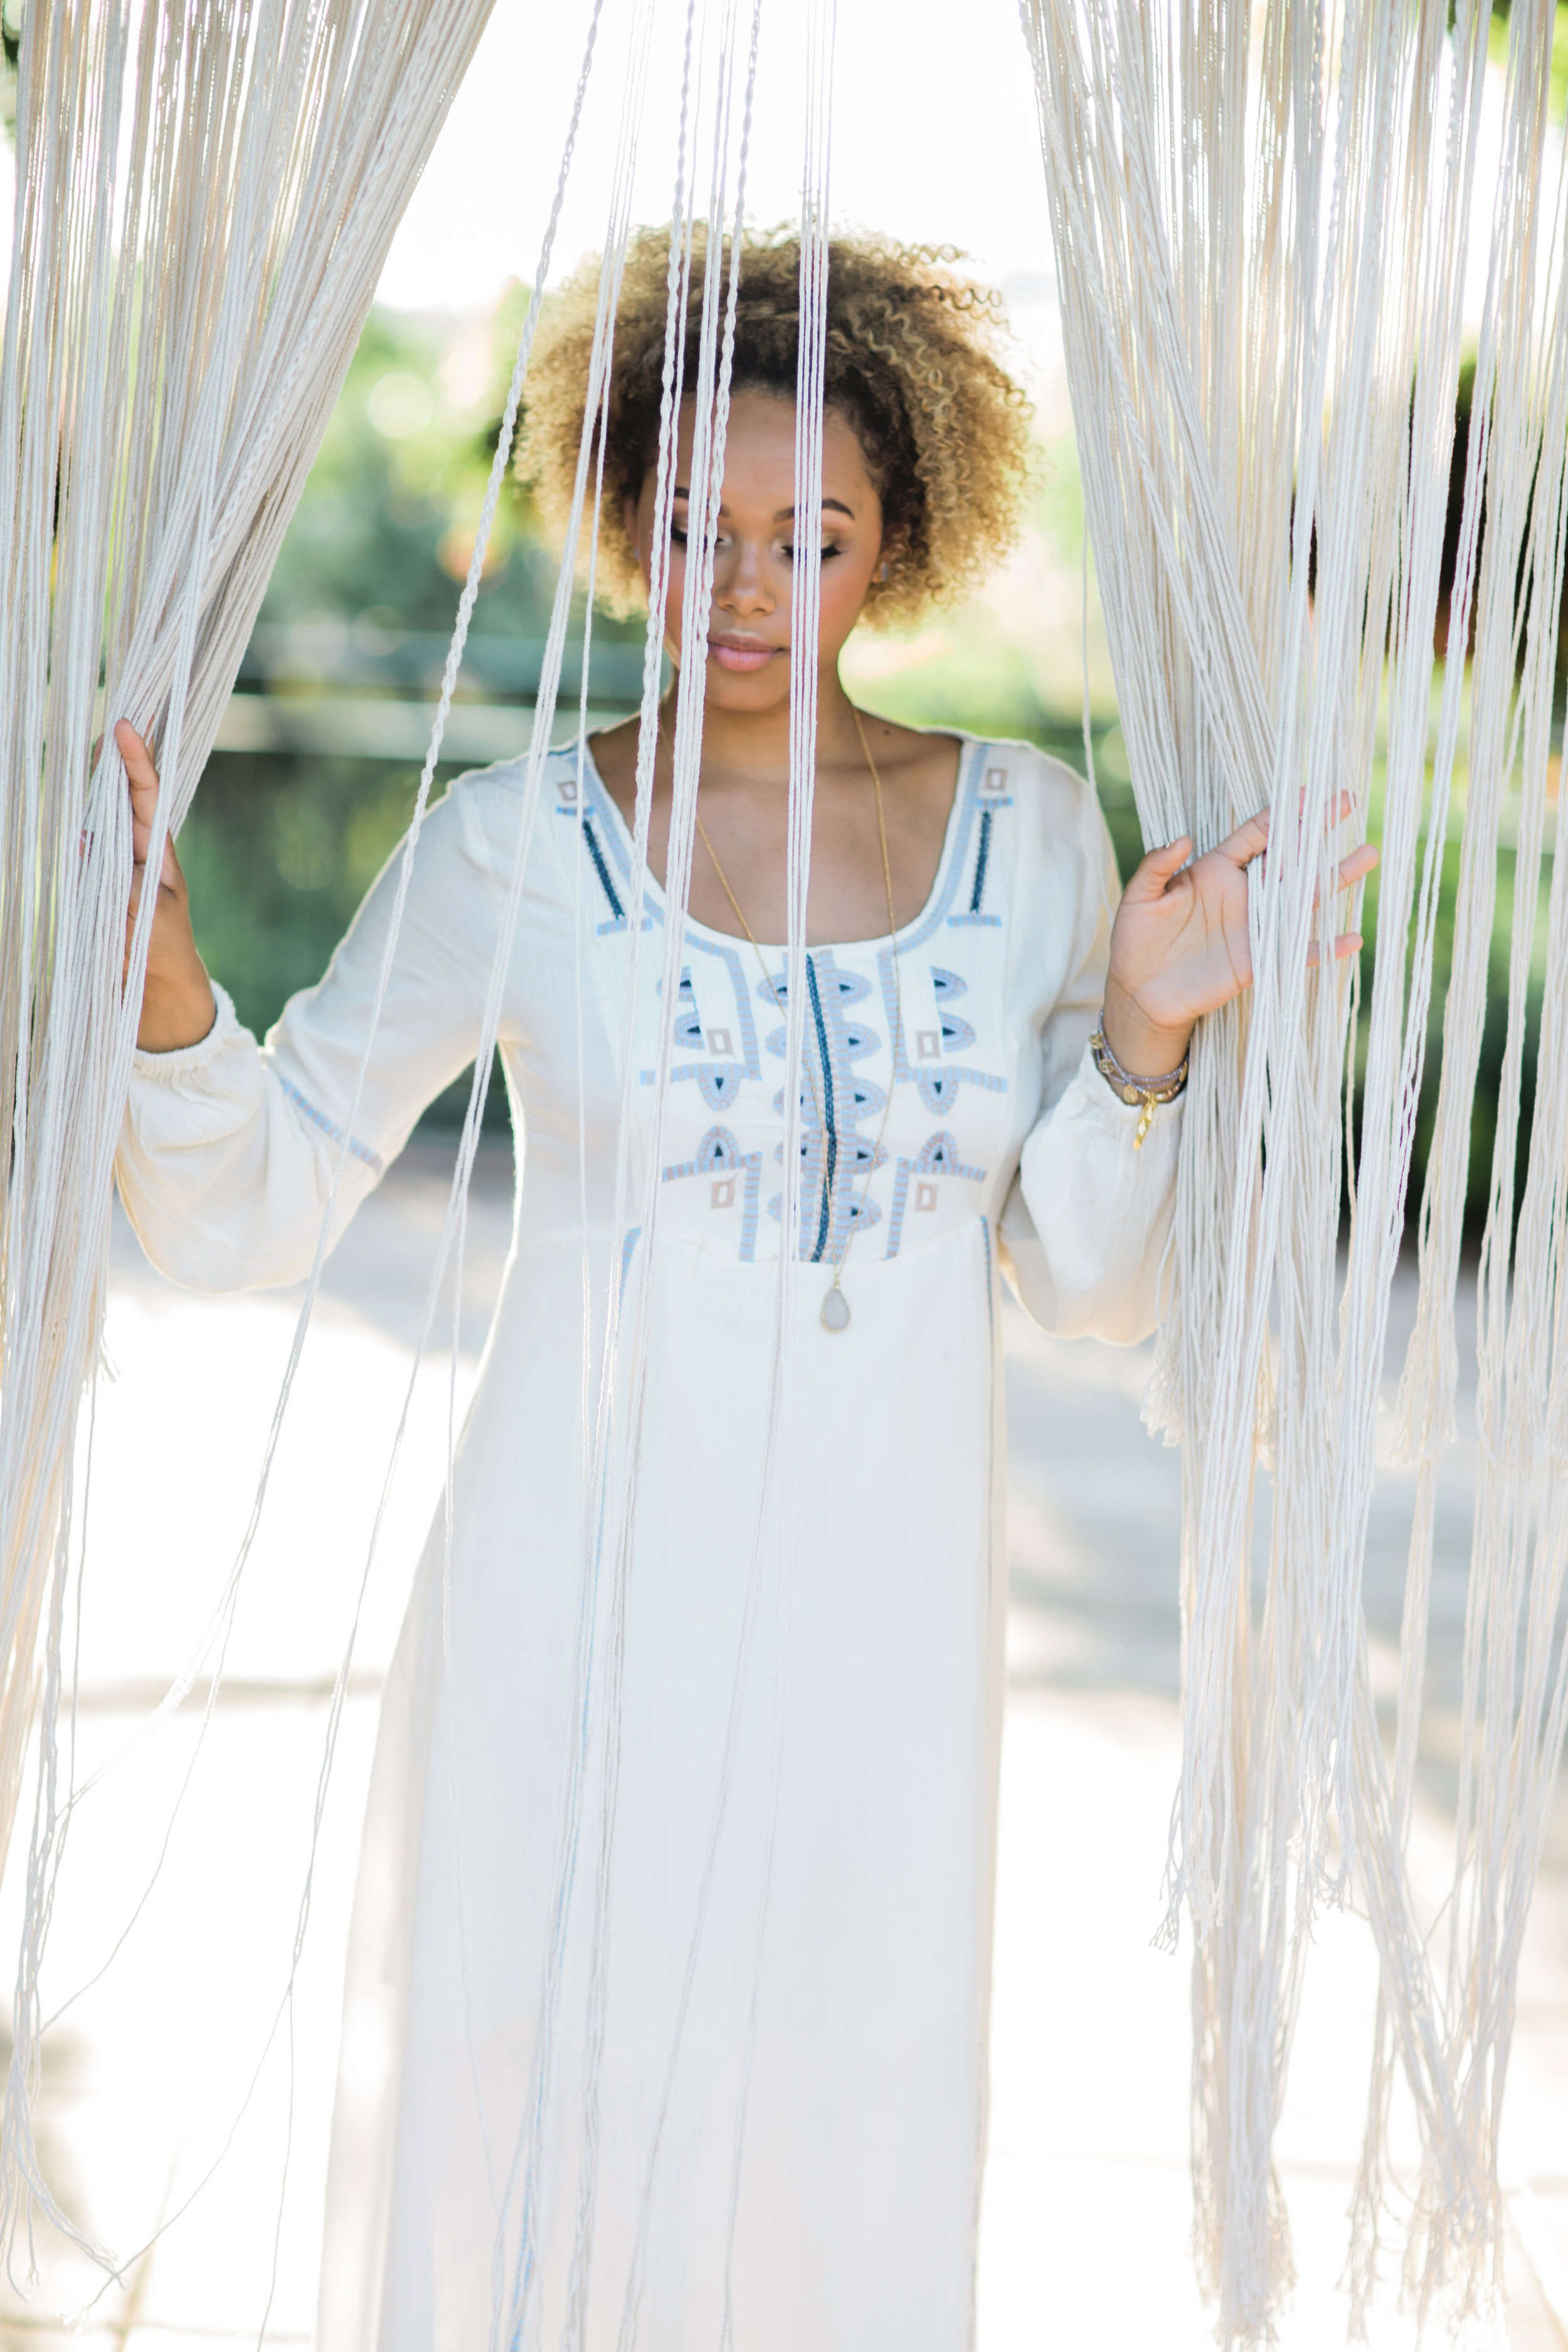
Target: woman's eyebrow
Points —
{"points": [[782, 514]]}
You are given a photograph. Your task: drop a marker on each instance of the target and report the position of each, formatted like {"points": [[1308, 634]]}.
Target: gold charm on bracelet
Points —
{"points": [[1146, 1093]]}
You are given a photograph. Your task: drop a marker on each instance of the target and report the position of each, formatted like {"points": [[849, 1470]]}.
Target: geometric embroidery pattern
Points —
{"points": [[720, 1052], [728, 1048], [936, 1082], [916, 1180], [836, 1100], [720, 1159]]}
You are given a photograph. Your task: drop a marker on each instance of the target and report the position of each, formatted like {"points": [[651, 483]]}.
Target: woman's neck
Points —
{"points": [[756, 744]]}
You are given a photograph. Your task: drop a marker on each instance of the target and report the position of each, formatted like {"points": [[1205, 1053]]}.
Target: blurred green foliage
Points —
{"points": [[10, 50], [281, 848], [1496, 49], [279, 852]]}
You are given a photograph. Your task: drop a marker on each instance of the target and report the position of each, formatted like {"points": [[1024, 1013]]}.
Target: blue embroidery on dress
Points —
{"points": [[722, 1071], [957, 1037], [938, 1088], [591, 840], [981, 859], [937, 1157], [974, 916], [720, 1156], [633, 1235], [717, 1047], [830, 1123], [937, 1085], [983, 796], [836, 1101], [687, 1028], [357, 1151], [593, 794]]}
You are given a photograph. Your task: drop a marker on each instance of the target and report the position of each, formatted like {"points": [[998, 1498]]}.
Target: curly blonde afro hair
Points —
{"points": [[912, 364]]}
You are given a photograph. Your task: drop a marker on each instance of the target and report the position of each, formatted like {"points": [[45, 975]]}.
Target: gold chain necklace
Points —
{"points": [[835, 1306]]}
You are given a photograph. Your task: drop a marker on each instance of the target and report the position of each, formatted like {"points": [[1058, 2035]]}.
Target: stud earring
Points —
{"points": [[882, 570]]}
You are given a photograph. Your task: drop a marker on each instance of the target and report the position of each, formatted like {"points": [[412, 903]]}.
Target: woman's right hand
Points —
{"points": [[177, 1005]]}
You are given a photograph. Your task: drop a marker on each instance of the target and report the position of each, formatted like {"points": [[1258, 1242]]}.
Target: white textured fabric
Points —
{"points": [[808, 2166]]}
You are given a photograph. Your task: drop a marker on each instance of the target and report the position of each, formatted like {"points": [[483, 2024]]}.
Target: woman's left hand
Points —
{"points": [[1180, 946]]}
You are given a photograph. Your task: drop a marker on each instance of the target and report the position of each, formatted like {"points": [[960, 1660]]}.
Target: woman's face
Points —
{"points": [[759, 548]]}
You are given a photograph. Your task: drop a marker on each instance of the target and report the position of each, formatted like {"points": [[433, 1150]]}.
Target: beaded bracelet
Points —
{"points": [[1147, 1091]]}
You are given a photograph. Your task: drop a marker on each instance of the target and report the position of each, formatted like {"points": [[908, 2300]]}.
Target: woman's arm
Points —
{"points": [[229, 1152], [178, 1007], [1085, 1226]]}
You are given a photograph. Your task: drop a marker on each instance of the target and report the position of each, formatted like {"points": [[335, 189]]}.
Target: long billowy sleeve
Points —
{"points": [[230, 1148], [1085, 1226]]}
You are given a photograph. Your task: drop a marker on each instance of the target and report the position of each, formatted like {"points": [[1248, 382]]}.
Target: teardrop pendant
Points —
{"points": [[836, 1311]]}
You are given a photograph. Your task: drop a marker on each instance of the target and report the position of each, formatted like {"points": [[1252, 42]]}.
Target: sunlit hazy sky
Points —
{"points": [[934, 140]]}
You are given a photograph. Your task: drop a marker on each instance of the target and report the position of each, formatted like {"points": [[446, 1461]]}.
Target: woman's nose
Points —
{"points": [[740, 579]]}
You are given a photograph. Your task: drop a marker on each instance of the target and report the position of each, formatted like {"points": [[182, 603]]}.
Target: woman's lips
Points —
{"points": [[731, 654]]}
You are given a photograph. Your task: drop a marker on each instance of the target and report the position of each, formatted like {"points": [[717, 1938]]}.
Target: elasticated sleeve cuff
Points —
{"points": [[186, 1061]]}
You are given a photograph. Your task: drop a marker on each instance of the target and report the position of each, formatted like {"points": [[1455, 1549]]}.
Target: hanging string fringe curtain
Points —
{"points": [[205, 195], [1263, 223], [368, 150]]}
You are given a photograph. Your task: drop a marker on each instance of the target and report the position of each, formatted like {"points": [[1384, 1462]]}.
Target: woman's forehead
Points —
{"points": [[760, 455]]}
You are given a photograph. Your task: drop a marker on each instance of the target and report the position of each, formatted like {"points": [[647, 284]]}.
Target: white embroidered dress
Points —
{"points": [[756, 2125]]}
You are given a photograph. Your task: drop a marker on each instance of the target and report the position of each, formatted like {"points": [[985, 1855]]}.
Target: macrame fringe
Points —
{"points": [[1263, 224]]}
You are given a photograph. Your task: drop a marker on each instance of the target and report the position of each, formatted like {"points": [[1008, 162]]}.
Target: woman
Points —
{"points": [[666, 2020]]}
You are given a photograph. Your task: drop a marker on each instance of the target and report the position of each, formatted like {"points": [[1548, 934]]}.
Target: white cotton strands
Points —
{"points": [[205, 201], [705, 226], [1263, 223], [360, 147]]}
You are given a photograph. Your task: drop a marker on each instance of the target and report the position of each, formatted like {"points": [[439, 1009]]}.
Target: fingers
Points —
{"points": [[1359, 862], [143, 778], [1347, 944], [138, 760], [1334, 814], [1151, 876], [1248, 841], [1351, 870], [1254, 834], [140, 774]]}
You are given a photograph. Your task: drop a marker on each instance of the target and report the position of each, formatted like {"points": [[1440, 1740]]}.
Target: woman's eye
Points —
{"points": [[827, 548]]}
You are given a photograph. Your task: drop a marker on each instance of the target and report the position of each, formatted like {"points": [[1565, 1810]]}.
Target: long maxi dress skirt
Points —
{"points": [[666, 2016]]}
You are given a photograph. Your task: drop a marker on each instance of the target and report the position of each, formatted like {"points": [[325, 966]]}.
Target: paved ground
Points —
{"points": [[1085, 2233]]}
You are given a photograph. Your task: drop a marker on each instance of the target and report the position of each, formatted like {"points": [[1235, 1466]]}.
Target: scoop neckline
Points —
{"points": [[965, 743]]}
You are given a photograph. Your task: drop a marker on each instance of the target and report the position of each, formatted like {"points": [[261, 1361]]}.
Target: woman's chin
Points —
{"points": [[757, 691]]}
